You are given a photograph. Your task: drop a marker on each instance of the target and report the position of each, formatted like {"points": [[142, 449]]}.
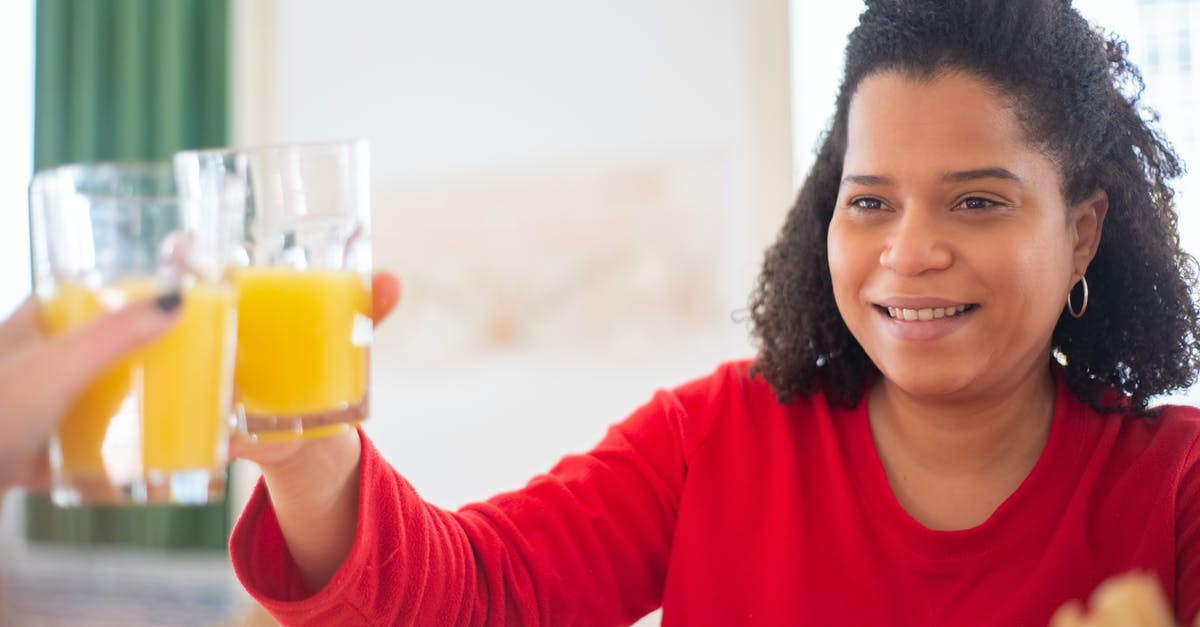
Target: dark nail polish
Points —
{"points": [[169, 302]]}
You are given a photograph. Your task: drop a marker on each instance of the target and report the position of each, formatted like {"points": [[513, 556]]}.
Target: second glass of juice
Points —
{"points": [[303, 284], [153, 427]]}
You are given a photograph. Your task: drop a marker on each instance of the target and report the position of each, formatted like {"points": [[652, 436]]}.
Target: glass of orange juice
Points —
{"points": [[154, 427], [304, 300]]}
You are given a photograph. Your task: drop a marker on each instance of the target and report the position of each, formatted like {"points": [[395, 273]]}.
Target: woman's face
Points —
{"points": [[951, 248]]}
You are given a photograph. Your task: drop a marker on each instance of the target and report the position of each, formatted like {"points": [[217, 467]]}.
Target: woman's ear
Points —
{"points": [[1087, 223]]}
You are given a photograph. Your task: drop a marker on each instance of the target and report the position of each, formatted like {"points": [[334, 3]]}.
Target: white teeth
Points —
{"points": [[900, 313]]}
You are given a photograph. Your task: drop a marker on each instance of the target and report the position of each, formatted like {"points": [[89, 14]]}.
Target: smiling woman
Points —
{"points": [[960, 213], [932, 432], [915, 123]]}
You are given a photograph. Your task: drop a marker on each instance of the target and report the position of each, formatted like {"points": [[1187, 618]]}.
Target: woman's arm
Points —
{"points": [[589, 541], [313, 484], [314, 492]]}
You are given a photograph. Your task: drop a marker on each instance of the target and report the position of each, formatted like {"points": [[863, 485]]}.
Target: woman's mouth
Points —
{"points": [[925, 313]]}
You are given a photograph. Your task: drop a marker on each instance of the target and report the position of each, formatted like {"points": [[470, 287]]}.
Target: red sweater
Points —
{"points": [[727, 508]]}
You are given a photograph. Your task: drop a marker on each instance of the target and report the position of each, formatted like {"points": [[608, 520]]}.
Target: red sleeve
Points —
{"points": [[587, 543], [1187, 577]]}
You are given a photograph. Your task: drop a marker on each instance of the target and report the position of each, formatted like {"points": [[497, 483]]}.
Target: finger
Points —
{"points": [[69, 361], [385, 294], [21, 327]]}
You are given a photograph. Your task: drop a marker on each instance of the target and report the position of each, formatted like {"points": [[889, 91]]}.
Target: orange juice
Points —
{"points": [[178, 384], [303, 340], [81, 433], [185, 387]]}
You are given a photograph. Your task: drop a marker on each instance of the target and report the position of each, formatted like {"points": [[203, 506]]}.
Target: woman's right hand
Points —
{"points": [[385, 295], [313, 484]]}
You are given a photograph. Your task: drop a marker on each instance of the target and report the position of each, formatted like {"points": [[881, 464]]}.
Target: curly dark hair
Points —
{"points": [[1076, 95]]}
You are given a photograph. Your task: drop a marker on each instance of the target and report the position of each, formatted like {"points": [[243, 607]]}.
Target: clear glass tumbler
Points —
{"points": [[154, 428], [303, 284]]}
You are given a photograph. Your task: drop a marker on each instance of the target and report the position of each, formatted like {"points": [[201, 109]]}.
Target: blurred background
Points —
{"points": [[576, 196]]}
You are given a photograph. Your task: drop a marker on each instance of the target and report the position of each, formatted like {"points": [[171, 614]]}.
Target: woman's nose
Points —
{"points": [[916, 244]]}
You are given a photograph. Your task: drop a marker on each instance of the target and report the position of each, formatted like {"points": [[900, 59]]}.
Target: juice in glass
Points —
{"points": [[302, 279], [303, 347], [153, 427], [80, 435]]}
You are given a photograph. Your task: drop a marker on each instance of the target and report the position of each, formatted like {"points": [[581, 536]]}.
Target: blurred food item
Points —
{"points": [[1129, 600]]}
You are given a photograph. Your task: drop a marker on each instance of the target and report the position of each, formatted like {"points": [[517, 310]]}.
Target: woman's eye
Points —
{"points": [[975, 202], [866, 203]]}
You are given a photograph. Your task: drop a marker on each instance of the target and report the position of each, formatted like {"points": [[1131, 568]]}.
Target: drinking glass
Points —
{"points": [[154, 427], [303, 283]]}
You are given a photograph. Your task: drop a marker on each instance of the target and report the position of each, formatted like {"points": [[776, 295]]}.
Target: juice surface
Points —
{"points": [[298, 352]]}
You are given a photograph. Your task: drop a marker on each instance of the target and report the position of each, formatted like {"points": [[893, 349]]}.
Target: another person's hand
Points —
{"points": [[40, 377], [385, 295], [1131, 600]]}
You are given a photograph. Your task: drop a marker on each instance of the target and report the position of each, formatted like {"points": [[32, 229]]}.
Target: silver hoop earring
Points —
{"points": [[1082, 308]]}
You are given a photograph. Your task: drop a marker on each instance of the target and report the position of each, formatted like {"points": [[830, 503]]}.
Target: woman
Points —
{"points": [[978, 291]]}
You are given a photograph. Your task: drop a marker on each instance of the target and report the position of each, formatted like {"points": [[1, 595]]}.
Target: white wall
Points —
{"points": [[474, 109], [818, 35], [16, 150], [454, 89]]}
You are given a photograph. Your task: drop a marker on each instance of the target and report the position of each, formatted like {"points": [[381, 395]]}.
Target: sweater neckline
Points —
{"points": [[1008, 523]]}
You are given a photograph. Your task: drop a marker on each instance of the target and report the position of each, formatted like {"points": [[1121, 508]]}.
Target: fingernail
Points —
{"points": [[169, 302]]}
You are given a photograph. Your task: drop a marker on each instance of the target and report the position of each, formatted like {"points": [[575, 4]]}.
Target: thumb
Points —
{"points": [[81, 354], [385, 294]]}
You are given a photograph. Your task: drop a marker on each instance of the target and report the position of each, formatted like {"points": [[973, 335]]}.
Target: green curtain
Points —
{"points": [[129, 80]]}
